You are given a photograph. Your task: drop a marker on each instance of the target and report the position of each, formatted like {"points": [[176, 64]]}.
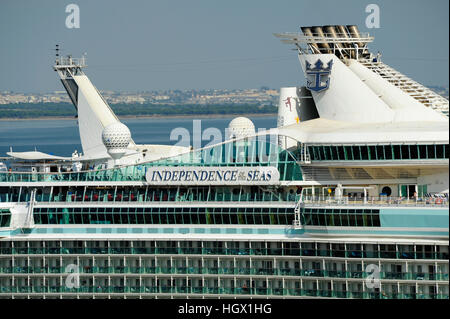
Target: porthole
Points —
{"points": [[386, 191]]}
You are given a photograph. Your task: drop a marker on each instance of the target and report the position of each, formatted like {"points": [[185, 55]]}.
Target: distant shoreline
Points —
{"points": [[191, 116]]}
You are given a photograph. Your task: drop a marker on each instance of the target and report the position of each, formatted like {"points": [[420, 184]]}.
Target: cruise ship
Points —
{"points": [[346, 198]]}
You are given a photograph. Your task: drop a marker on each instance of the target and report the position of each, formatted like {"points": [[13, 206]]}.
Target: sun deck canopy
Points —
{"points": [[37, 156], [329, 131]]}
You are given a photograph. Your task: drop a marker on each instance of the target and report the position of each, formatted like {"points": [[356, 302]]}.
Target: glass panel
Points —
{"points": [[359, 218], [380, 152], [311, 153], [397, 152], [316, 153], [439, 151], [337, 217], [327, 152], [372, 153], [348, 152], [322, 153], [414, 151], [423, 151], [351, 217], [341, 152], [334, 153], [388, 152], [344, 218], [405, 151], [356, 153], [431, 151], [364, 152], [321, 219]]}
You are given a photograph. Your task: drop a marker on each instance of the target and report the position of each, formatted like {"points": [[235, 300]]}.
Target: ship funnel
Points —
{"points": [[307, 32], [318, 32], [93, 112], [330, 31], [342, 31], [354, 33], [343, 41]]}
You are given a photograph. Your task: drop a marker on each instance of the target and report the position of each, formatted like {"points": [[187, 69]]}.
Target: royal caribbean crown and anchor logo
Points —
{"points": [[318, 77]]}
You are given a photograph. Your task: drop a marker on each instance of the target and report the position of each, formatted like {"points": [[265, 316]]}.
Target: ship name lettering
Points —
{"points": [[210, 175]]}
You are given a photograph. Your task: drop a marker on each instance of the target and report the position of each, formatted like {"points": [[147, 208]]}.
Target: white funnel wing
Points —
{"points": [[93, 116], [95, 101], [295, 105], [287, 107], [406, 108], [90, 129], [347, 98]]}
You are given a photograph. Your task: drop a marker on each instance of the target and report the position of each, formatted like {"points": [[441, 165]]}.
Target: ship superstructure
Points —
{"points": [[346, 198]]}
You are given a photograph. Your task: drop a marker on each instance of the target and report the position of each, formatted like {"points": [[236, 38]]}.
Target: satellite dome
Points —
{"points": [[116, 137], [241, 127]]}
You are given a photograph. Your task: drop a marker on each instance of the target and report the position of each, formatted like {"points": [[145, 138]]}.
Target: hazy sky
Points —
{"points": [[194, 44]]}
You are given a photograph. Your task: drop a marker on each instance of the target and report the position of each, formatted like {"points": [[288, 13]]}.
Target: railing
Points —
{"points": [[325, 37], [255, 271], [439, 200], [136, 173], [304, 252], [217, 290], [435, 201], [156, 196], [130, 173], [69, 61]]}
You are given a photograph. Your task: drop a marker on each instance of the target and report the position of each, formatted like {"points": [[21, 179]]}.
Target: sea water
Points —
{"points": [[61, 137]]}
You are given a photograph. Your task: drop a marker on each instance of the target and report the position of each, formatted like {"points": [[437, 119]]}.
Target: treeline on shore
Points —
{"points": [[36, 110]]}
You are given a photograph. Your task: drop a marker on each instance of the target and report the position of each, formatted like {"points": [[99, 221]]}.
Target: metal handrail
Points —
{"points": [[436, 200]]}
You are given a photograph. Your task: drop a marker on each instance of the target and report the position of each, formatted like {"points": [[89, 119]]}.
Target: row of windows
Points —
{"points": [[177, 210], [341, 217], [340, 211], [5, 217], [310, 245], [212, 216], [349, 250], [377, 152]]}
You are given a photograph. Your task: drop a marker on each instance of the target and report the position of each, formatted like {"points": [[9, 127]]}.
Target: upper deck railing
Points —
{"points": [[438, 200], [130, 173], [68, 61], [144, 197], [251, 153], [295, 37]]}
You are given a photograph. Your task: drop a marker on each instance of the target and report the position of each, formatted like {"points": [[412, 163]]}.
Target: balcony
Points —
{"points": [[334, 273], [218, 290], [393, 275], [312, 273]]}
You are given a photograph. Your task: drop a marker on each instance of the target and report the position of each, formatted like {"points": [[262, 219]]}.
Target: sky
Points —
{"points": [[206, 44]]}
